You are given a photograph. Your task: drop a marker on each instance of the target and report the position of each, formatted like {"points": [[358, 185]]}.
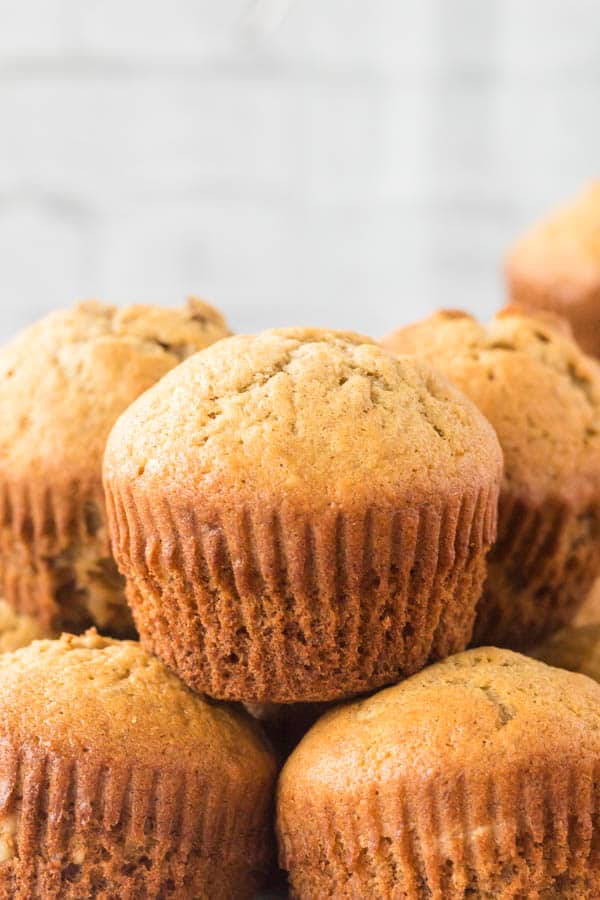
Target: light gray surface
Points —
{"points": [[334, 163]]}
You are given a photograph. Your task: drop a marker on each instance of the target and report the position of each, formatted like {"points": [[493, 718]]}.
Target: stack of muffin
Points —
{"points": [[291, 521]]}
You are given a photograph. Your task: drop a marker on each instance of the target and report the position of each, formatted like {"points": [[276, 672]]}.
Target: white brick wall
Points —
{"points": [[336, 163]]}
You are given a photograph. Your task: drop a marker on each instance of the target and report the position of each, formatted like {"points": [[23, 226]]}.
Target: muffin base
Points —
{"points": [[530, 835], [539, 573], [92, 829], [55, 559], [268, 606]]}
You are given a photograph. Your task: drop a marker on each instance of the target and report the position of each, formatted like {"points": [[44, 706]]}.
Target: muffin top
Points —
{"points": [[564, 248], [66, 379], [320, 417], [17, 629], [477, 713], [576, 648], [537, 388], [110, 700]]}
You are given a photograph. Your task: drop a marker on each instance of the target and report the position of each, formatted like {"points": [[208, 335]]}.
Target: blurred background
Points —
{"points": [[331, 163]]}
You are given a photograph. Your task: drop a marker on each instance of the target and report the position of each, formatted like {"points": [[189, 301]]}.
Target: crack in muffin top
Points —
{"points": [[537, 388], [304, 412], [484, 711]]}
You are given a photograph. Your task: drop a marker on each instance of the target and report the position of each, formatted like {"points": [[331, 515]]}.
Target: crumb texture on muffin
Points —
{"points": [[539, 391], [63, 383], [300, 401], [115, 777], [542, 395], [300, 516], [480, 776]]}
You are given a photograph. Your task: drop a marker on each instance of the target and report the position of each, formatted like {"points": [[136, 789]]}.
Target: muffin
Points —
{"points": [[17, 629], [63, 383], [478, 777], [117, 781], [556, 266], [542, 395], [300, 516], [576, 648]]}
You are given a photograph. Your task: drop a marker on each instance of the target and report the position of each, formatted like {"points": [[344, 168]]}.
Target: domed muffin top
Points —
{"points": [[564, 248], [91, 697], [481, 712], [66, 379], [318, 416], [539, 391]]}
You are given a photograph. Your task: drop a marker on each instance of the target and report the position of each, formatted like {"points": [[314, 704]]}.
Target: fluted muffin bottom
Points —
{"points": [[266, 606], [55, 559], [70, 829], [530, 836], [116, 781], [477, 778], [540, 572]]}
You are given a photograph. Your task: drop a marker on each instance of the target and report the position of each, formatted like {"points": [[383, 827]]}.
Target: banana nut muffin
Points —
{"points": [[117, 781], [18, 629], [556, 266], [477, 778], [542, 395], [63, 383], [300, 516], [576, 648]]}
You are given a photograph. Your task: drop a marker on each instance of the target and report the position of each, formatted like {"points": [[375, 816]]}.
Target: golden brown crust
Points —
{"points": [[556, 266], [479, 777], [63, 383], [542, 395], [117, 781], [296, 512], [276, 412], [552, 319], [539, 391]]}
